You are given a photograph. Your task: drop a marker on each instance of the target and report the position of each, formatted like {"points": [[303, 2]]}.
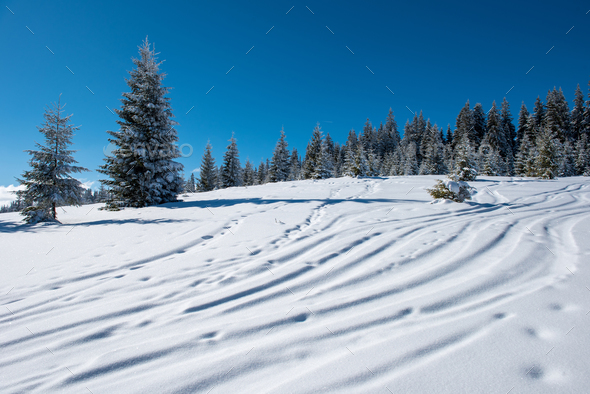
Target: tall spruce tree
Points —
{"points": [[142, 169], [48, 184], [208, 173], [279, 165], [231, 170]]}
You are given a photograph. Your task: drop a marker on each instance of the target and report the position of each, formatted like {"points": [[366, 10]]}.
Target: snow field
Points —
{"points": [[341, 285]]}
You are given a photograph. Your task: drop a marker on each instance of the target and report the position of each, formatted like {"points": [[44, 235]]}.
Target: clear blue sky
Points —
{"points": [[433, 55]]}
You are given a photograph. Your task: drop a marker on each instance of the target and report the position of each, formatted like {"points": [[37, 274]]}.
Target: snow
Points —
{"points": [[338, 285]]}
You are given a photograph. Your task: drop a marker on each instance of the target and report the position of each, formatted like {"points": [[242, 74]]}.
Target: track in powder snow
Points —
{"points": [[341, 285]]}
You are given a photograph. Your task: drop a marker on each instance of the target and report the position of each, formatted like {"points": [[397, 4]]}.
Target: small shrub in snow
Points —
{"points": [[449, 189]]}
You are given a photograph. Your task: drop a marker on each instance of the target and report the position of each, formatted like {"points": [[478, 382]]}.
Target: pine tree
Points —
{"points": [[279, 167], [523, 116], [48, 184], [465, 126], [261, 173], [389, 138], [348, 168], [336, 159], [359, 166], [509, 130], [208, 173], [465, 166], [566, 159], [249, 178], [294, 166], [546, 161], [410, 164], [449, 138], [325, 167], [432, 153], [231, 170], [586, 121], [539, 115], [368, 138], [583, 155], [577, 117], [556, 116], [479, 124], [316, 163], [494, 148], [141, 170], [191, 185]]}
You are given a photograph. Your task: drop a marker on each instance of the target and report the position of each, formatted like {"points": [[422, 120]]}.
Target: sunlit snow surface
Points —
{"points": [[341, 285]]}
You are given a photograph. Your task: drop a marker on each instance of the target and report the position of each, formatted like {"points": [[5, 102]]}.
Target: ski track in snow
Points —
{"points": [[341, 285]]}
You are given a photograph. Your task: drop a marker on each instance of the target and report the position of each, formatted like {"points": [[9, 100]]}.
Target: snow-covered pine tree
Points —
{"points": [[449, 137], [465, 166], [348, 167], [539, 115], [373, 164], [583, 155], [315, 156], [261, 173], [249, 179], [48, 183], [368, 137], [336, 159], [410, 164], [432, 152], [586, 121], [555, 119], [546, 162], [208, 173], [577, 117], [479, 124], [360, 166], [494, 148], [294, 166], [329, 146], [465, 126], [191, 184], [279, 165], [325, 167], [523, 117], [566, 159], [389, 139], [527, 153], [231, 170], [142, 169], [508, 127]]}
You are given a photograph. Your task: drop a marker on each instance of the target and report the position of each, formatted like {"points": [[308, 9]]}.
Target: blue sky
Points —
{"points": [[432, 55]]}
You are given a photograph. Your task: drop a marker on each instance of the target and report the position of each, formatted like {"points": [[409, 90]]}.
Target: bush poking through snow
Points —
{"points": [[449, 189]]}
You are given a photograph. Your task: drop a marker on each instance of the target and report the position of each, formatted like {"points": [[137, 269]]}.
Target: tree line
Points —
{"points": [[549, 142], [142, 171]]}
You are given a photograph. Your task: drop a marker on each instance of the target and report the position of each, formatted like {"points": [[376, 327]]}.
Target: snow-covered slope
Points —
{"points": [[341, 285]]}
